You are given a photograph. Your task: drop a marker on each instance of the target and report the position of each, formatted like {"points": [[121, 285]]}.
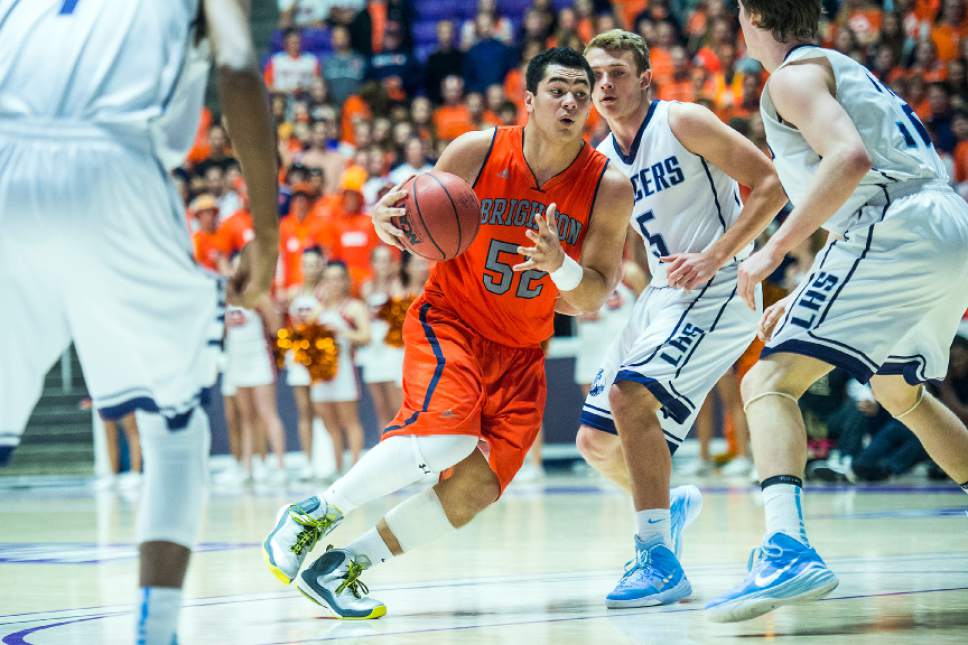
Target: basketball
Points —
{"points": [[443, 215]]}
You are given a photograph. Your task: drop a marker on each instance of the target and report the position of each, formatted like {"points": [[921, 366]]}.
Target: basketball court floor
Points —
{"points": [[532, 569]]}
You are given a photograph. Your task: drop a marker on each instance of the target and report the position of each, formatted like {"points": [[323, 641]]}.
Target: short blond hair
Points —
{"points": [[625, 41]]}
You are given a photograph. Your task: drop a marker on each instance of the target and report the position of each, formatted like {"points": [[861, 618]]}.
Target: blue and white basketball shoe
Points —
{"points": [[298, 528], [781, 571], [655, 576], [333, 582]]}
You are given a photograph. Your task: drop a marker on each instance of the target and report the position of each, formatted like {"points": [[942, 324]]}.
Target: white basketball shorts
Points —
{"points": [[886, 298], [677, 344], [94, 249]]}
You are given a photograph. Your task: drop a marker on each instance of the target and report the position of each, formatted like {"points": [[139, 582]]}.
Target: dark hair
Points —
{"points": [[315, 250], [338, 263], [556, 56], [290, 32], [786, 19]]}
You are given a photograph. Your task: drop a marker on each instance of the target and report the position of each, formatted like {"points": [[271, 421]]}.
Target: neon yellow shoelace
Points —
{"points": [[311, 532], [352, 580]]}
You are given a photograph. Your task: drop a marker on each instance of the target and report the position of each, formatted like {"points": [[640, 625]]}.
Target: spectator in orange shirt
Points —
{"points": [[959, 125], [953, 27], [480, 117], [236, 231], [354, 237], [660, 57], [452, 119], [885, 65], [209, 250], [514, 82], [720, 34], [299, 230], [679, 87], [726, 85], [863, 18]]}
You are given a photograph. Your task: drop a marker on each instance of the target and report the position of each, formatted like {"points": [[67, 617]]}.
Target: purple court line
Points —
{"points": [[623, 614], [490, 580], [19, 638]]}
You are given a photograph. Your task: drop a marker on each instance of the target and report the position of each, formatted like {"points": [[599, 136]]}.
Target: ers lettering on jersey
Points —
{"points": [[515, 308]]}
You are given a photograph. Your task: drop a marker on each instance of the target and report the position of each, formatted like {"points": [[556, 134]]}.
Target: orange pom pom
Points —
{"points": [[394, 311]]}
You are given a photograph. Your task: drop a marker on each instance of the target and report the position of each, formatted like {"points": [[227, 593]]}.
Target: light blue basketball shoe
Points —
{"points": [[655, 577], [781, 571]]}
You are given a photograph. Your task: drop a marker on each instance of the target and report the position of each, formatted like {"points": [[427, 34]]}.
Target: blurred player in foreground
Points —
{"points": [[93, 243]]}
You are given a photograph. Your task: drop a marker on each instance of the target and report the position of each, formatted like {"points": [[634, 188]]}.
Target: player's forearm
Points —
{"points": [[838, 176], [246, 109], [591, 293], [762, 205]]}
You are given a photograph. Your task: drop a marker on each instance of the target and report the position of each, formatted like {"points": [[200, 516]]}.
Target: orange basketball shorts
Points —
{"points": [[455, 381]]}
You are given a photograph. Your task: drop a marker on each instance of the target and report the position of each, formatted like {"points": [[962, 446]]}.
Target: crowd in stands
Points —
{"points": [[365, 93]]}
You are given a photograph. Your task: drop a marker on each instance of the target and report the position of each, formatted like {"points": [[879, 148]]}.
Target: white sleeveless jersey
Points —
{"points": [[132, 66], [683, 204], [897, 142]]}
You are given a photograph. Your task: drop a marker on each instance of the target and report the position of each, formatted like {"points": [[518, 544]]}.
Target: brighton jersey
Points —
{"points": [[516, 308], [898, 143], [131, 66], [683, 204]]}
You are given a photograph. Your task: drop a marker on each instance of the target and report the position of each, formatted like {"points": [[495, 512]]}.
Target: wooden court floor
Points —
{"points": [[533, 569]]}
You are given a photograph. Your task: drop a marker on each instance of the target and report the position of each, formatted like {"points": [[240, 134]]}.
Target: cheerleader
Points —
{"points": [[337, 401], [382, 364], [249, 370], [304, 308]]}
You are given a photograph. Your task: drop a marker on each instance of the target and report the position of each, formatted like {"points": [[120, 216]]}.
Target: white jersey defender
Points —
{"points": [[887, 292], [677, 343], [98, 99]]}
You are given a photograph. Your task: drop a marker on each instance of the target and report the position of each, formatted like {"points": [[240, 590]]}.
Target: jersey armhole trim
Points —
{"points": [[487, 157], [598, 184]]}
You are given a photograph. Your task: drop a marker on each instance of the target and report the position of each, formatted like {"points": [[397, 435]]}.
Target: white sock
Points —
{"points": [[156, 621], [784, 510], [654, 527], [393, 464], [371, 546]]}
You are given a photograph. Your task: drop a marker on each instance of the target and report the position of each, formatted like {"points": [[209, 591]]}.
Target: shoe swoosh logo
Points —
{"points": [[653, 521], [763, 581]]}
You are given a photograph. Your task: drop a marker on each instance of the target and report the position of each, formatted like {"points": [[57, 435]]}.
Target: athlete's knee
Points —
{"points": [[768, 377], [895, 394], [479, 488], [599, 448], [435, 453], [627, 399], [176, 472]]}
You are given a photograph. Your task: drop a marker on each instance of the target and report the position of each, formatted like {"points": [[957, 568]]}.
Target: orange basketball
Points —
{"points": [[443, 215]]}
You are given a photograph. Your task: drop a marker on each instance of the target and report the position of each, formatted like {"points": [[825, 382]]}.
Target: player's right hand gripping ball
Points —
{"points": [[443, 215]]}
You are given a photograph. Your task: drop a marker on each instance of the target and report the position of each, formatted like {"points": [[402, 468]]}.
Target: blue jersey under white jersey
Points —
{"points": [[130, 66], [683, 203], [898, 143]]}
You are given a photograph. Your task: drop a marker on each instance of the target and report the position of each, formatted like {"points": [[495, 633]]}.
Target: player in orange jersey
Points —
{"points": [[553, 222]]}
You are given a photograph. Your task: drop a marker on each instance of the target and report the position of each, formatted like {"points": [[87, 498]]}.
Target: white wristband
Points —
{"points": [[568, 276]]}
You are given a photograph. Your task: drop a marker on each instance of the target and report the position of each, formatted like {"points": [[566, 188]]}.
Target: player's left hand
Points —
{"points": [[753, 271], [546, 254], [689, 270]]}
